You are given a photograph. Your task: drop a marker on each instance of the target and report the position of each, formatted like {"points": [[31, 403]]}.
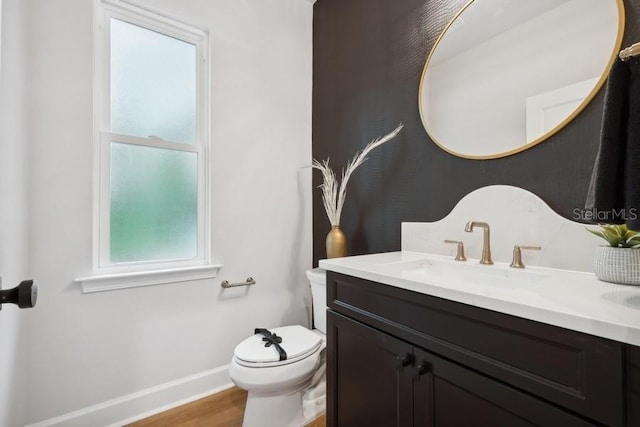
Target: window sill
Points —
{"points": [[109, 282]]}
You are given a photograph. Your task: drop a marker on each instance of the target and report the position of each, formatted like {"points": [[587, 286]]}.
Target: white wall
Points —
{"points": [[13, 207], [88, 349]]}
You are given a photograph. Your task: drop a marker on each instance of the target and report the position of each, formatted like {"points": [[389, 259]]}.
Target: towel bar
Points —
{"points": [[250, 281]]}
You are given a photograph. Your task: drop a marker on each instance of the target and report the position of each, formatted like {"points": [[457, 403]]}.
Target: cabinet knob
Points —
{"points": [[405, 360], [424, 368]]}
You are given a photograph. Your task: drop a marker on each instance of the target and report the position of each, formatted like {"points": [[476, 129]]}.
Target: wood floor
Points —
{"points": [[223, 409]]}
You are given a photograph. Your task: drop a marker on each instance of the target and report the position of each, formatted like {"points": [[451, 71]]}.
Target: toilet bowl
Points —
{"points": [[275, 387]]}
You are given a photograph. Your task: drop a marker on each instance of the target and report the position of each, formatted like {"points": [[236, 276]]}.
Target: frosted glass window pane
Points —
{"points": [[153, 84], [153, 203]]}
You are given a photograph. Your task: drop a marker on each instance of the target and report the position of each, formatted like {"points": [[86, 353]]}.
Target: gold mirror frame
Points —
{"points": [[548, 134]]}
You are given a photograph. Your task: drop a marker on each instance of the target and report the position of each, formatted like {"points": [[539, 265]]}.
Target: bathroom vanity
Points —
{"points": [[421, 340]]}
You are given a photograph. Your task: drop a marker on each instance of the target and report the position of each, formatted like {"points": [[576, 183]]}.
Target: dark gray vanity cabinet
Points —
{"points": [[378, 380], [401, 358]]}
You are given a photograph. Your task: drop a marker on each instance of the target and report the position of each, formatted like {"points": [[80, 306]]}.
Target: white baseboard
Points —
{"points": [[135, 406]]}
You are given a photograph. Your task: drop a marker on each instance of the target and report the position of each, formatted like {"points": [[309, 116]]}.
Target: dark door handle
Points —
{"points": [[405, 360], [24, 295]]}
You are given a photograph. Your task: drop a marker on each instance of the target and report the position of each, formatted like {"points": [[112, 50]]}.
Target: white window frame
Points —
{"points": [[117, 275]]}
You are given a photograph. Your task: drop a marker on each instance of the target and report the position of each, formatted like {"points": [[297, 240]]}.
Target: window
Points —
{"points": [[151, 143]]}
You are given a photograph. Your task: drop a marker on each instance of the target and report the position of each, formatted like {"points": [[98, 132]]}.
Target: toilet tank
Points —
{"points": [[318, 279]]}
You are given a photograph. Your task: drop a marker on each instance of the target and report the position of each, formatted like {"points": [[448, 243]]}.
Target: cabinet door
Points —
{"points": [[369, 376], [633, 385], [449, 395]]}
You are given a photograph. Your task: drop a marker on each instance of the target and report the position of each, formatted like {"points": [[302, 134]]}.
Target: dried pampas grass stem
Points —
{"points": [[333, 195]]}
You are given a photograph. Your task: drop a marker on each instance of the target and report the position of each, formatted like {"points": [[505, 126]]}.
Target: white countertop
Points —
{"points": [[568, 299]]}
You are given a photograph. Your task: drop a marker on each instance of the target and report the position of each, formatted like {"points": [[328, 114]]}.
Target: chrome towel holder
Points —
{"points": [[250, 281]]}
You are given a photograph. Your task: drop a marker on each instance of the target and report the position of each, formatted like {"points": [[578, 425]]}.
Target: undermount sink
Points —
{"points": [[436, 267], [465, 270]]}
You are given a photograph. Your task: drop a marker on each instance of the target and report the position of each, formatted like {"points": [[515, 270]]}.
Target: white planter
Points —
{"points": [[617, 265]]}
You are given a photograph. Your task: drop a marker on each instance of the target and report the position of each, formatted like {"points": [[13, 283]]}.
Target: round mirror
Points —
{"points": [[505, 75]]}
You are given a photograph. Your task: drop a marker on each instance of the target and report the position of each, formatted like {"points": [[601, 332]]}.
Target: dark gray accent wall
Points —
{"points": [[368, 58]]}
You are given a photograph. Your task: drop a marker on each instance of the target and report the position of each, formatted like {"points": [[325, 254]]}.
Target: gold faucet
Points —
{"points": [[460, 252], [517, 255], [486, 241]]}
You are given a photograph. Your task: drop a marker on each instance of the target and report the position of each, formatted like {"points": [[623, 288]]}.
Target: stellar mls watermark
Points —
{"points": [[605, 216]]}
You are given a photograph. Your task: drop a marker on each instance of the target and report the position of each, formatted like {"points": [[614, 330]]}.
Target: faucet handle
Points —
{"points": [[517, 254], [460, 252]]}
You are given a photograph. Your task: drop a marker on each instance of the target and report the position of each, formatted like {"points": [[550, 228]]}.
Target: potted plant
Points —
{"points": [[619, 262]]}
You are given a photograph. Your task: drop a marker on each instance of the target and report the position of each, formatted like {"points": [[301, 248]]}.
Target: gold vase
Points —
{"points": [[336, 243]]}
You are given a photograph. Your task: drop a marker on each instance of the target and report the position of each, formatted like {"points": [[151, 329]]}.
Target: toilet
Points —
{"points": [[275, 387]]}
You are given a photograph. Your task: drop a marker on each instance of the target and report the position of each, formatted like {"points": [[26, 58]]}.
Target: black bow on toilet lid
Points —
{"points": [[295, 340], [272, 339]]}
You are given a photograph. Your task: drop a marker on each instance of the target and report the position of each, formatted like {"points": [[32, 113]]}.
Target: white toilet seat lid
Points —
{"points": [[297, 341]]}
